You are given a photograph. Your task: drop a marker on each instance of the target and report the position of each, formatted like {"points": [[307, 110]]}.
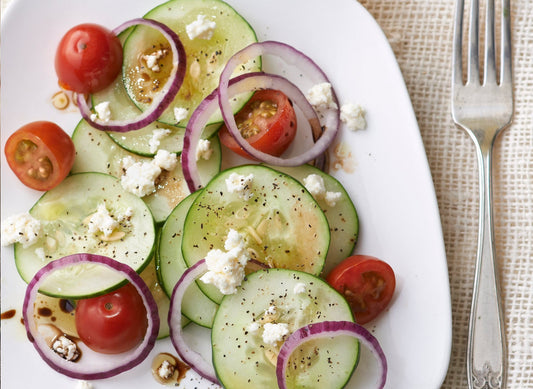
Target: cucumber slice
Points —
{"points": [[243, 359], [64, 213], [282, 224], [171, 265], [342, 218], [205, 57], [95, 151]]}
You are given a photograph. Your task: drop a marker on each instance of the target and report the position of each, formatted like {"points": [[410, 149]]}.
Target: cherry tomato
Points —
{"points": [[40, 154], [88, 58], [366, 282], [112, 323], [267, 122]]}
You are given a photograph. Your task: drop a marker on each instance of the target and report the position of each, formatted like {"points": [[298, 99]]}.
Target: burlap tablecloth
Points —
{"points": [[420, 33]]}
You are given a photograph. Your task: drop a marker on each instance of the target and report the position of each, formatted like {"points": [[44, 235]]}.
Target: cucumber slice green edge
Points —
{"points": [[282, 224], [95, 151], [342, 218], [242, 358], [170, 266], [205, 58], [63, 213]]}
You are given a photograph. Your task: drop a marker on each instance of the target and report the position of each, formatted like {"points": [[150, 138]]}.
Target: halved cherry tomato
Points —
{"points": [[267, 122], [88, 58], [113, 323], [366, 282], [41, 154]]}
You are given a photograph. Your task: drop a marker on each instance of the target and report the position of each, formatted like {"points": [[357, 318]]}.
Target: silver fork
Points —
{"points": [[484, 108]]}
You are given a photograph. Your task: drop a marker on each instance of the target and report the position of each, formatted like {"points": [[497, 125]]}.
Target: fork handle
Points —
{"points": [[486, 353]]}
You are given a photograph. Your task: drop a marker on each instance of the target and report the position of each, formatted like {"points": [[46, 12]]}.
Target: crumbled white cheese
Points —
{"points": [[139, 177], [204, 150], [299, 288], [21, 228], [84, 385], [253, 327], [66, 348], [39, 251], [354, 116], [157, 136], [274, 332], [180, 114], [226, 269], [153, 58], [103, 112], [331, 198], [241, 185], [165, 160], [166, 370], [102, 221], [201, 28], [271, 310], [314, 183], [321, 97]]}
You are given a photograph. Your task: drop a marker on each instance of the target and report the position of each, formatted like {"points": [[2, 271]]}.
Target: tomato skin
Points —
{"points": [[40, 145], [112, 323], [88, 58], [366, 282], [275, 133]]}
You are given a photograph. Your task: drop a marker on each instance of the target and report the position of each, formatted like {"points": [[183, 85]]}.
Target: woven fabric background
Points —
{"points": [[420, 33]]}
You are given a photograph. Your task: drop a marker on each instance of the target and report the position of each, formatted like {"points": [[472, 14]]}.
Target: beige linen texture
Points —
{"points": [[420, 33]]}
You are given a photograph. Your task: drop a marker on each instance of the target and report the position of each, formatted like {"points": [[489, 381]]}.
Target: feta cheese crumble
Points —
{"points": [[240, 185], [201, 28], [166, 370], [165, 160], [22, 228], [226, 268], [314, 183], [139, 177], [103, 112], [299, 288], [320, 96], [84, 385], [102, 221], [66, 348], [180, 114], [353, 116], [157, 136], [274, 332], [204, 150], [153, 58]]}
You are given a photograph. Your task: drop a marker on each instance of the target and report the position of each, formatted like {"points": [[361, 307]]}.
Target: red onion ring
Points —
{"points": [[86, 368], [248, 82], [188, 355], [328, 329], [291, 56], [162, 100]]}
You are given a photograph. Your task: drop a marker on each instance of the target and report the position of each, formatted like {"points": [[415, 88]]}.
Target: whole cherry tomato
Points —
{"points": [[112, 323], [88, 58]]}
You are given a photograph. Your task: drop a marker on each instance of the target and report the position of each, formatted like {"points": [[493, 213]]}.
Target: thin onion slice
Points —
{"points": [[91, 365], [162, 100], [327, 329], [310, 69], [248, 82], [188, 355]]}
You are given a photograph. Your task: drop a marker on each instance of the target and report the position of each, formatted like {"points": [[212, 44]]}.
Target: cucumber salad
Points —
{"points": [[194, 191]]}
